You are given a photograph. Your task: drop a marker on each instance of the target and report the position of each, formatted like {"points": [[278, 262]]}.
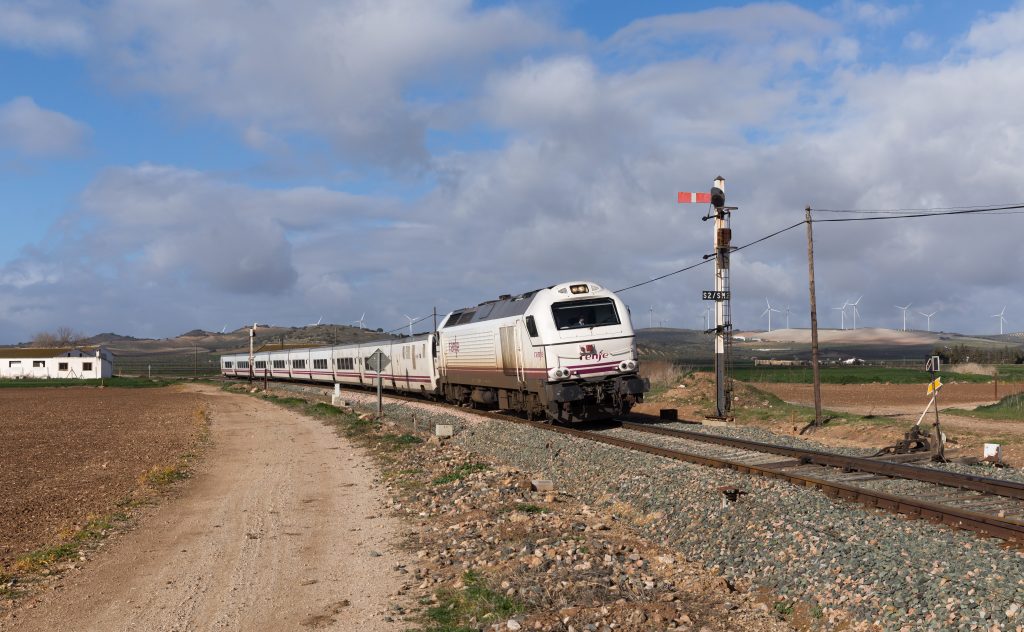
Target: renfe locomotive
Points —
{"points": [[564, 353]]}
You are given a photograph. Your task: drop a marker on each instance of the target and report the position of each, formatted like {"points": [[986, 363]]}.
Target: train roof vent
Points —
{"points": [[504, 297]]}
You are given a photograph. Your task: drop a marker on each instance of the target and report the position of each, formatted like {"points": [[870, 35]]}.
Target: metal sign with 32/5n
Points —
{"points": [[714, 295]]}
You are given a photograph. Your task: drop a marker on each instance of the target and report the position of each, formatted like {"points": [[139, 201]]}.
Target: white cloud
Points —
{"points": [[917, 41], [28, 128], [998, 33], [873, 13], [175, 222], [335, 70], [44, 26], [760, 22]]}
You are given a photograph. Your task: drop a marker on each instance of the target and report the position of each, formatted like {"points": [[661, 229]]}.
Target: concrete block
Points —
{"points": [[542, 485], [336, 399], [444, 430]]}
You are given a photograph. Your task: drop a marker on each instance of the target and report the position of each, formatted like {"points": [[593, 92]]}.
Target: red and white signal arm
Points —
{"points": [[686, 197]]}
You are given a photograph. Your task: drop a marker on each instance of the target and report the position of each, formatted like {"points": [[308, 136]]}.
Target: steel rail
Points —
{"points": [[985, 484], [1004, 528]]}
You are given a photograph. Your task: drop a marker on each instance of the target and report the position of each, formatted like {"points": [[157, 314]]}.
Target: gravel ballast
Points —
{"points": [[847, 563]]}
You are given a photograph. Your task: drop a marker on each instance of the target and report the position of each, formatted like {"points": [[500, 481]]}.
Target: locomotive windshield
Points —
{"points": [[593, 312]]}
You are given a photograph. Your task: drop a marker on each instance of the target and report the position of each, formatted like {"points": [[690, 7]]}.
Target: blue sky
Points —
{"points": [[166, 167]]}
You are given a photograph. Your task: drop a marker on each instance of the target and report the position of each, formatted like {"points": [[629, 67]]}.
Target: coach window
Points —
{"points": [[14, 363], [531, 326], [36, 364], [87, 366], [63, 366], [227, 365]]}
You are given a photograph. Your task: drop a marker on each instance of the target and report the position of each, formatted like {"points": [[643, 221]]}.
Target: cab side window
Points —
{"points": [[531, 326]]}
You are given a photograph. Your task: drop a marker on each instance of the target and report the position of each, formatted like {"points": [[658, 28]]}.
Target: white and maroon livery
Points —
{"points": [[564, 353]]}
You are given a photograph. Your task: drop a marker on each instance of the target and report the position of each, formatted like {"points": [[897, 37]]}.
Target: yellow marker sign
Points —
{"points": [[934, 386]]}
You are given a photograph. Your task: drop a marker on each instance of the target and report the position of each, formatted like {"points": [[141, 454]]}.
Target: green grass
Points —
{"points": [[457, 608], [800, 415], [41, 558], [110, 382], [460, 472], [164, 476], [1010, 372], [530, 508], [1009, 407], [325, 410], [849, 375], [393, 442]]}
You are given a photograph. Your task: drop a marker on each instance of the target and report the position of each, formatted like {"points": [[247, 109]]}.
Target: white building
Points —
{"points": [[84, 364]]}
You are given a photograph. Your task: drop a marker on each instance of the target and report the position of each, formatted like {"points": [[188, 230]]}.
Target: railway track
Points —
{"points": [[990, 506], [986, 505]]}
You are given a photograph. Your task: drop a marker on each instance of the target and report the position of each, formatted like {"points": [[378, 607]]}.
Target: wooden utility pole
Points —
{"points": [[815, 370]]}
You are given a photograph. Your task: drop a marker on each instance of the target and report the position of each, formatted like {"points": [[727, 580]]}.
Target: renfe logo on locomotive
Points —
{"points": [[589, 352]]}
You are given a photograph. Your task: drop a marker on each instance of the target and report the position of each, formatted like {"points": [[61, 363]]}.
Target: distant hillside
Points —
{"points": [[691, 346], [103, 339]]}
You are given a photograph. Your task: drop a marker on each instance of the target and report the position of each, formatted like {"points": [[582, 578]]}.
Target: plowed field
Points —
{"points": [[865, 398], [71, 453]]}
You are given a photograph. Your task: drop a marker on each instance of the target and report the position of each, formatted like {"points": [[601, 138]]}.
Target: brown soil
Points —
{"points": [[888, 398], [72, 453]]}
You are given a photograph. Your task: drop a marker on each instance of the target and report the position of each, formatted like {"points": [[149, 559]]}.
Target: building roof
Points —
{"points": [[39, 352]]}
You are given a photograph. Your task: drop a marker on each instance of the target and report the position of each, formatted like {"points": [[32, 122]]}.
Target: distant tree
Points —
{"points": [[68, 337], [44, 339], [62, 337]]}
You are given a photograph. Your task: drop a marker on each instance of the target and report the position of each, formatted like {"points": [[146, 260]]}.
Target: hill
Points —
{"points": [[873, 344]]}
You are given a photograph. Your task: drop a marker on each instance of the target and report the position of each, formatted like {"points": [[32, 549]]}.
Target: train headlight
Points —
{"points": [[559, 374], [627, 365]]}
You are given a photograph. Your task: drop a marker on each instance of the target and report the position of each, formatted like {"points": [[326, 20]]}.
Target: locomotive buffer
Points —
{"points": [[721, 295]]}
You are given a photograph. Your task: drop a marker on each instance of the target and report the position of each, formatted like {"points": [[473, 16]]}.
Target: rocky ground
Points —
{"points": [[495, 552]]}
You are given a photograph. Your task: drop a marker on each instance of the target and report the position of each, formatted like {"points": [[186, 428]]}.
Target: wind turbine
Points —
{"points": [[223, 329], [360, 322], [769, 311], [651, 324], [856, 312], [842, 310], [787, 316], [317, 323], [904, 314], [929, 317], [1001, 319], [410, 319]]}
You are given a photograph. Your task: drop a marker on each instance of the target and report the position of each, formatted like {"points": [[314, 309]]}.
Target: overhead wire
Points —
{"points": [[710, 257], [874, 215], [887, 214]]}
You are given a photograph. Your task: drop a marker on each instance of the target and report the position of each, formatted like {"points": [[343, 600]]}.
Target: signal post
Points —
{"points": [[721, 295]]}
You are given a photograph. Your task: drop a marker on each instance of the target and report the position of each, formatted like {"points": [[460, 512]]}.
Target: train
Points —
{"points": [[563, 354]]}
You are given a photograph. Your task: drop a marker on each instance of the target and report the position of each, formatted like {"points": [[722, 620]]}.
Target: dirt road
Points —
{"points": [[281, 529]]}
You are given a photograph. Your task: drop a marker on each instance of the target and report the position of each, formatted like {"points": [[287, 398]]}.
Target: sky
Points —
{"points": [[171, 165]]}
